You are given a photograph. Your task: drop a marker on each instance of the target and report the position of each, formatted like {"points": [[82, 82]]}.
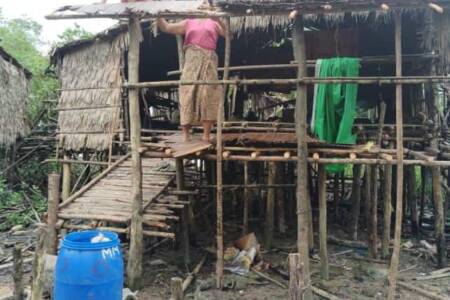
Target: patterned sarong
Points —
{"points": [[199, 102]]}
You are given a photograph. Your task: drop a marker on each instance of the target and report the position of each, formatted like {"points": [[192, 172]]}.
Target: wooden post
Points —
{"points": [[246, 199], [134, 266], [373, 232], [423, 193], [219, 147], [299, 47], [52, 212], [336, 194], [18, 273], [185, 212], [356, 199], [367, 195], [412, 197], [439, 221], [270, 207], [399, 144], [387, 209], [67, 177], [322, 183], [295, 292], [280, 198], [37, 283], [176, 288]]}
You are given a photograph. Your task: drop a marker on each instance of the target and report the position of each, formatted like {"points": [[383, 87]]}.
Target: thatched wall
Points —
{"points": [[13, 99], [92, 115]]}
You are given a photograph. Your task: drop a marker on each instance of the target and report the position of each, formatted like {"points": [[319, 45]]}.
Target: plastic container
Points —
{"points": [[89, 271]]}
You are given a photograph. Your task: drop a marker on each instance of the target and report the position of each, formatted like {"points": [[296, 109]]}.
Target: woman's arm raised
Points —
{"points": [[178, 28]]}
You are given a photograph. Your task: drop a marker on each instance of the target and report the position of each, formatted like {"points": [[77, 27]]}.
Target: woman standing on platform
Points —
{"points": [[198, 103]]}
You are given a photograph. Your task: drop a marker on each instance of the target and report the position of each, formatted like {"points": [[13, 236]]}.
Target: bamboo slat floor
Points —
{"points": [[109, 200]]}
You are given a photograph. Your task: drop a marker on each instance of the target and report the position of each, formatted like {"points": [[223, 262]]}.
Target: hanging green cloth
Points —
{"points": [[335, 104]]}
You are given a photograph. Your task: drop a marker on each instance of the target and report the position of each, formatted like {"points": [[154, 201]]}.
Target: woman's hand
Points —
{"points": [[178, 28]]}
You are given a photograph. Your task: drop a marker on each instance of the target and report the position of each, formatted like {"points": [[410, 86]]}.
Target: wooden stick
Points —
{"points": [[412, 197], [368, 196], [439, 222], [373, 234], [324, 294], [270, 207], [419, 291], [134, 266], [194, 273], [387, 210], [37, 284], [67, 174], [246, 200], [219, 148], [18, 273], [304, 81], [322, 185], [356, 199], [294, 271], [179, 166], [299, 47], [52, 212], [392, 276], [267, 277], [176, 289]]}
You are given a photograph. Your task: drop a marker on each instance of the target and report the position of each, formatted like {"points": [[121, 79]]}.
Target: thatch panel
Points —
{"points": [[93, 112], [13, 100]]}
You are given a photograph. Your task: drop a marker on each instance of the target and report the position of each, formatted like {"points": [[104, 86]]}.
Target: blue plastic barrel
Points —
{"points": [[89, 271]]}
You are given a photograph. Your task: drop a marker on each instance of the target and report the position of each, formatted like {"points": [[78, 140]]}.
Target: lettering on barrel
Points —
{"points": [[110, 252]]}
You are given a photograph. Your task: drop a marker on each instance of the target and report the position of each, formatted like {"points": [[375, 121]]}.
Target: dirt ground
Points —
{"points": [[352, 274]]}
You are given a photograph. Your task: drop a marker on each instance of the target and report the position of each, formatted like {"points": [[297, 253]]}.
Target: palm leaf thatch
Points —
{"points": [[89, 113], [14, 83]]}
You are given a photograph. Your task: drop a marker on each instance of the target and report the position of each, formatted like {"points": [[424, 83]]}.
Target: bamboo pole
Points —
{"points": [[52, 212], [219, 148], [18, 273], [270, 207], [294, 279], [322, 183], [184, 214], [134, 266], [37, 283], [299, 47], [246, 200], [399, 141], [367, 195], [356, 199], [439, 221], [379, 80], [387, 211], [176, 289], [373, 233], [412, 197], [67, 174]]}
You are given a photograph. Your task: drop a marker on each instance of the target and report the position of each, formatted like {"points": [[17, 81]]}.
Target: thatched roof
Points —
{"points": [[88, 116], [14, 83], [185, 8]]}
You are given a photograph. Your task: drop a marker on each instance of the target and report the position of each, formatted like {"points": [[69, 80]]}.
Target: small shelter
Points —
{"points": [[14, 87]]}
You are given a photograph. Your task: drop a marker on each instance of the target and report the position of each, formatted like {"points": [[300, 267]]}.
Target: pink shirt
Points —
{"points": [[202, 33]]}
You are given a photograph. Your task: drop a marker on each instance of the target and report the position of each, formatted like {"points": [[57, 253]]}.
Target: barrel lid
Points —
{"points": [[82, 240]]}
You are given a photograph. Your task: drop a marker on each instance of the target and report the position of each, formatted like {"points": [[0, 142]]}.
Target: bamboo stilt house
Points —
{"points": [[14, 88], [401, 48]]}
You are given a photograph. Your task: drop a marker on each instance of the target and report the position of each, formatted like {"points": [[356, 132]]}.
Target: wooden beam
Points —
{"points": [[134, 266], [179, 166], [439, 221], [246, 200], [270, 207], [387, 211], [219, 149], [393, 271], [299, 47], [322, 183], [67, 175], [356, 199], [52, 212], [373, 232]]}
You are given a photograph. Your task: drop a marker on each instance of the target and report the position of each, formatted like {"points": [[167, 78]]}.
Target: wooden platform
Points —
{"points": [[107, 199]]}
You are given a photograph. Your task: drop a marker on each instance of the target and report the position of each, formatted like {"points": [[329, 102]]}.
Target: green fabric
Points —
{"points": [[335, 107]]}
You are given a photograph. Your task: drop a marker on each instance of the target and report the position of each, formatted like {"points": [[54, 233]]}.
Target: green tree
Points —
{"points": [[21, 37], [72, 34]]}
